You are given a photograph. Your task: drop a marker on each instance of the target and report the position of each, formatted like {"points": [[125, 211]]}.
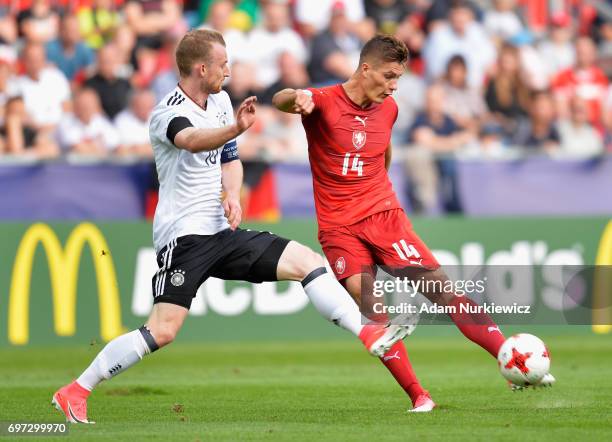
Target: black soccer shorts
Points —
{"points": [[188, 261]]}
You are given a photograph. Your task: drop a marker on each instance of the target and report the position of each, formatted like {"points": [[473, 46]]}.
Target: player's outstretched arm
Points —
{"points": [[196, 140], [294, 101]]}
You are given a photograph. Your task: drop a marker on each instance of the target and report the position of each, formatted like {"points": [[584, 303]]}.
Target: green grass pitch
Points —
{"points": [[318, 391]]}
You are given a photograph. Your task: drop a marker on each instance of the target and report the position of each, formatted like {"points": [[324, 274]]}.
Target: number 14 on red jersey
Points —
{"points": [[356, 166]]}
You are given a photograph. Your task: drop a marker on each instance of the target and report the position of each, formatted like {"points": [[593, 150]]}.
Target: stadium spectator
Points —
{"points": [[388, 14], [112, 90], [240, 84], [38, 23], [539, 131], [132, 125], [461, 35], [6, 72], [533, 70], [98, 22], [410, 99], [292, 75], [556, 50], [268, 41], [313, 16], [411, 33], [584, 79], [243, 17], [87, 131], [502, 22], [150, 19], [507, 95], [23, 138], [44, 89], [464, 104], [124, 44], [335, 51], [436, 12], [434, 129], [236, 42], [165, 81], [578, 137], [8, 28], [430, 165], [68, 52]]}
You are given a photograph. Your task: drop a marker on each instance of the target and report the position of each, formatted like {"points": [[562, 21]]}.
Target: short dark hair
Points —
{"points": [[194, 47], [384, 48]]}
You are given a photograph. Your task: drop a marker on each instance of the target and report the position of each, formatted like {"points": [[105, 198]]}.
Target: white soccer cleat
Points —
{"points": [[547, 381], [423, 404], [378, 339]]}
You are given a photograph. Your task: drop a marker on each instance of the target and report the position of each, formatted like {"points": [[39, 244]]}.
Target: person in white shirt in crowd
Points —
{"points": [[269, 41], [557, 50], [462, 35], [335, 51], [218, 19], [502, 22], [313, 16], [44, 89], [87, 131], [578, 137], [21, 139], [132, 125], [463, 103]]}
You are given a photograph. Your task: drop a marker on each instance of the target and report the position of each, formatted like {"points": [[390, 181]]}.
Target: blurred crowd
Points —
{"points": [[485, 78]]}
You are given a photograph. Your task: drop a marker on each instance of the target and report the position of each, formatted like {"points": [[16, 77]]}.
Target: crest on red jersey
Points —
{"points": [[359, 139], [340, 265]]}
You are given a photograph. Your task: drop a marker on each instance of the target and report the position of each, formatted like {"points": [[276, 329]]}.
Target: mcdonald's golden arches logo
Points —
{"points": [[63, 270]]}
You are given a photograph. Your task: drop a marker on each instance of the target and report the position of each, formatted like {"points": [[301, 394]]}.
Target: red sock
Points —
{"points": [[477, 327], [397, 362]]}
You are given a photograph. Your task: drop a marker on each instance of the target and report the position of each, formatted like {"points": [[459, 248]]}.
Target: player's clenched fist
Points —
{"points": [[303, 102], [245, 116]]}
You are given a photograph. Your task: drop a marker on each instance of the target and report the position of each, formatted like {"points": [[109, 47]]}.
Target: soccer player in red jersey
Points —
{"points": [[361, 222]]}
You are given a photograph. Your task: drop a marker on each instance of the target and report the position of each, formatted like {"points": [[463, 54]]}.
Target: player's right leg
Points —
{"points": [[117, 356], [300, 263], [396, 360], [174, 286]]}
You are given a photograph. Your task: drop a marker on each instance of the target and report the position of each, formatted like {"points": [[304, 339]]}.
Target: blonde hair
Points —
{"points": [[195, 46]]}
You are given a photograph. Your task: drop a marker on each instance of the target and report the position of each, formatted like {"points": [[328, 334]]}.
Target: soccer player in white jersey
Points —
{"points": [[195, 231]]}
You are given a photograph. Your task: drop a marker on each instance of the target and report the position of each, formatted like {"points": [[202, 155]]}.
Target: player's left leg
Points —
{"points": [[263, 256], [300, 263], [390, 233], [477, 327], [396, 359]]}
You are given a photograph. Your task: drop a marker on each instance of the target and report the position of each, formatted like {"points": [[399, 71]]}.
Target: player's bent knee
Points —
{"points": [[309, 262], [163, 334]]}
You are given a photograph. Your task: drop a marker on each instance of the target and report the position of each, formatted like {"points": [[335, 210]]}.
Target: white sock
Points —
{"points": [[117, 356], [332, 301]]}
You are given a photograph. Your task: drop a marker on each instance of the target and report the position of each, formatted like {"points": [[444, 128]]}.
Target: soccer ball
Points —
{"points": [[523, 359]]}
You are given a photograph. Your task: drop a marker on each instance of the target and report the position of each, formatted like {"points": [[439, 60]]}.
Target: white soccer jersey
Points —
{"points": [[190, 183]]}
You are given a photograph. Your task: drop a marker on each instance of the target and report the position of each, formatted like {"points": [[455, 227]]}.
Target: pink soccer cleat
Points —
{"points": [[378, 338], [71, 400]]}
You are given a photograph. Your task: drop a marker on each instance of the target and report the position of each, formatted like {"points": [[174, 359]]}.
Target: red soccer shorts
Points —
{"points": [[385, 238]]}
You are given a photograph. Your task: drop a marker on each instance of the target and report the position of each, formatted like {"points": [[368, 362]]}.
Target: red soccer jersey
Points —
{"points": [[346, 148], [590, 84]]}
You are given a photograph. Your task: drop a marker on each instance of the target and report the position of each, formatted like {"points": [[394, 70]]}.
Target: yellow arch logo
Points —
{"points": [[64, 271], [602, 291]]}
